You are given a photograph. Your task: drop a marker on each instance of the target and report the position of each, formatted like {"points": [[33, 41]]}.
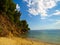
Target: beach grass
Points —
{"points": [[21, 41]]}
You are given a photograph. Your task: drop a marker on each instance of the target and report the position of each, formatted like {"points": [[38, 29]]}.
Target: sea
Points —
{"points": [[50, 36]]}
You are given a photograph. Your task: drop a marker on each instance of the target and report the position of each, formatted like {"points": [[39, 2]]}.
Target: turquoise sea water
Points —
{"points": [[51, 36]]}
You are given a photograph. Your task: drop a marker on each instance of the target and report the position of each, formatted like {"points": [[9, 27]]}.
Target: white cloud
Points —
{"points": [[57, 22], [40, 7], [57, 0], [17, 7], [33, 11], [54, 25], [57, 12]]}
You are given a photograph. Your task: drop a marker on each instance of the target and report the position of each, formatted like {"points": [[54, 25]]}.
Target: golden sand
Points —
{"points": [[20, 41]]}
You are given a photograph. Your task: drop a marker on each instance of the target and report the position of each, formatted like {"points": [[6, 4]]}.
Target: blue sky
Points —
{"points": [[40, 14]]}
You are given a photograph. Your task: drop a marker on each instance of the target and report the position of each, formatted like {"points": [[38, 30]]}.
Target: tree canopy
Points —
{"points": [[7, 7]]}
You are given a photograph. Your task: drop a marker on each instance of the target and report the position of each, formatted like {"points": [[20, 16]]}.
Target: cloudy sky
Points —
{"points": [[40, 14]]}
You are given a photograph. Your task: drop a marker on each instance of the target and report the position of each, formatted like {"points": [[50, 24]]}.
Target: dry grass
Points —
{"points": [[20, 41]]}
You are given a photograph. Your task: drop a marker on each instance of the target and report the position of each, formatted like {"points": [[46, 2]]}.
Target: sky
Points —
{"points": [[40, 14]]}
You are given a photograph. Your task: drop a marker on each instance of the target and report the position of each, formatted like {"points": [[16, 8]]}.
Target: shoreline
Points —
{"points": [[22, 41], [35, 40], [40, 41]]}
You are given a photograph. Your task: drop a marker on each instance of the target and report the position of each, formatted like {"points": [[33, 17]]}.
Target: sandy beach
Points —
{"points": [[21, 41]]}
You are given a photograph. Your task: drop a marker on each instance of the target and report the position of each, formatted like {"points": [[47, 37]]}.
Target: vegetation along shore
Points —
{"points": [[11, 27]]}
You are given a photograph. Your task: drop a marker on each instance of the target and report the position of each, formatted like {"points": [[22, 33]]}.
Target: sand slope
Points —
{"points": [[20, 41]]}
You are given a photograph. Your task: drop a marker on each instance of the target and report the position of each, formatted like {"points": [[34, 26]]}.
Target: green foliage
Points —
{"points": [[17, 17], [24, 26], [9, 8]]}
